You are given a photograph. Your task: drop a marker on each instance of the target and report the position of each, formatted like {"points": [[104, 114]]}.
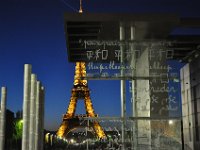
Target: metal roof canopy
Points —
{"points": [[102, 26]]}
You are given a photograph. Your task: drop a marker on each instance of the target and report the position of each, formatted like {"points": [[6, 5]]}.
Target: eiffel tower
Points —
{"points": [[79, 91]]}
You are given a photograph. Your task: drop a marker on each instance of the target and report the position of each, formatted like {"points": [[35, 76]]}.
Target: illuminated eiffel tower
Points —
{"points": [[79, 91]]}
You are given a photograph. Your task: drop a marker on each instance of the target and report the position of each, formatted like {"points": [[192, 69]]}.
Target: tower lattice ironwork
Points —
{"points": [[79, 91]]}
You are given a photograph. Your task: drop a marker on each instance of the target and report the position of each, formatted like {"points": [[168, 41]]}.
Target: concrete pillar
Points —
{"points": [[26, 107], [37, 116], [123, 85], [188, 98], [39, 133], [143, 99], [42, 118], [3, 117], [32, 112]]}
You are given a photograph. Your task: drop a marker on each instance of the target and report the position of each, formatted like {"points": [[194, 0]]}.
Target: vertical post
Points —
{"points": [[3, 117], [32, 112], [37, 113], [80, 10], [134, 108], [123, 86], [26, 107], [42, 118], [133, 65]]}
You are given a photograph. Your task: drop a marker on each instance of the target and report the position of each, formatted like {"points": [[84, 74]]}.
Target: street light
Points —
{"points": [[171, 122]]}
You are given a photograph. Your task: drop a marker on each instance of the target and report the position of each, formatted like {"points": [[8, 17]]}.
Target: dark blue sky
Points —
{"points": [[32, 31]]}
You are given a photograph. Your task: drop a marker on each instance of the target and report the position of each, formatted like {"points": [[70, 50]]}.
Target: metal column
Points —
{"points": [[134, 107], [26, 107], [3, 117], [123, 85], [133, 65]]}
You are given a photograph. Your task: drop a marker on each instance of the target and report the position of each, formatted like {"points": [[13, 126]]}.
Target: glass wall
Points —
{"points": [[165, 135]]}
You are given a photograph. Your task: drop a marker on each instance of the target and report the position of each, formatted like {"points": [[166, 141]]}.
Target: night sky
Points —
{"points": [[32, 31]]}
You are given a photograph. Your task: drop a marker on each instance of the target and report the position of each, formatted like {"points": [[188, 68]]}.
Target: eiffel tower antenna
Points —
{"points": [[81, 10]]}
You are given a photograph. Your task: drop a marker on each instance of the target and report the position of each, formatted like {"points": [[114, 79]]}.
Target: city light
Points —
{"points": [[47, 137], [170, 122], [72, 141]]}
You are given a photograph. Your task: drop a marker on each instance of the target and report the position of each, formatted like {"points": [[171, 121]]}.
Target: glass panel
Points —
{"points": [[140, 134]]}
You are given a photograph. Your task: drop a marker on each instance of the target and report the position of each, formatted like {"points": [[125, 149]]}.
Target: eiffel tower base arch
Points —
{"points": [[79, 91]]}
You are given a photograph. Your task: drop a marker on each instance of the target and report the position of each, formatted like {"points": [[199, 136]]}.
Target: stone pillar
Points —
{"points": [[3, 117], [37, 129], [42, 118], [32, 112], [39, 134], [26, 106], [123, 86]]}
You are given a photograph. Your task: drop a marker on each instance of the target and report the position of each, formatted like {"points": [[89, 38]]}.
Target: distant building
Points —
{"points": [[18, 115]]}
